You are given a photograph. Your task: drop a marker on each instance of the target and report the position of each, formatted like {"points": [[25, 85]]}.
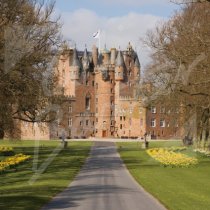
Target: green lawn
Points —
{"points": [[176, 188], [16, 192]]}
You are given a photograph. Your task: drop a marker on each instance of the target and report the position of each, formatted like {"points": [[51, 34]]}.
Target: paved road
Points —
{"points": [[104, 184]]}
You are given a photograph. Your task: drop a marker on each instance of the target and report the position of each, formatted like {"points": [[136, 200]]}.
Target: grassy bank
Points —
{"points": [[176, 188], [16, 190]]}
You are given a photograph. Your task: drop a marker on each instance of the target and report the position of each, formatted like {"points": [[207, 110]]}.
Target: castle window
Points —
{"points": [[124, 118], [70, 109], [96, 119], [87, 82], [93, 83], [87, 103], [87, 122], [153, 123], [162, 123], [80, 123], [93, 123], [121, 118], [70, 122], [120, 126], [153, 109]]}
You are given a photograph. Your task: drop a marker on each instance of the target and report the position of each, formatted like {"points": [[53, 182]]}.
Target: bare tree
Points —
{"points": [[180, 68], [29, 38]]}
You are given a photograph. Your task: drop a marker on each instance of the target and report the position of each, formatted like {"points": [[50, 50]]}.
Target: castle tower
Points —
{"points": [[113, 56], [75, 68], [95, 55], [104, 78], [106, 56]]}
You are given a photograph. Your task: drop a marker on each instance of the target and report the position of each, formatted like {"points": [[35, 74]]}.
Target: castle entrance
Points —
{"points": [[104, 133]]}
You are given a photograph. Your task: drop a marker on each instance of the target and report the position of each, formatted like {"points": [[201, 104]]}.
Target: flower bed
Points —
{"points": [[6, 151], [203, 151], [13, 161], [176, 149], [170, 158]]}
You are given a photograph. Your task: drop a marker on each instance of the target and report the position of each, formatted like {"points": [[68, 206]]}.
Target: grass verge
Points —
{"points": [[176, 188], [17, 194]]}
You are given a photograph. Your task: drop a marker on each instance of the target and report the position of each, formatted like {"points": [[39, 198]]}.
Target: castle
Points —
{"points": [[101, 92], [100, 98]]}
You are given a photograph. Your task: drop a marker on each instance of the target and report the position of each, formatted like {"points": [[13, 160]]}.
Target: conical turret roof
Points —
{"points": [[85, 55], [75, 61], [120, 60], [137, 63]]}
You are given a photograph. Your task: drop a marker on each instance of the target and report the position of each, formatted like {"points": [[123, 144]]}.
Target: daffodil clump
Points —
{"points": [[203, 151], [170, 158], [176, 149], [6, 151], [13, 161]]}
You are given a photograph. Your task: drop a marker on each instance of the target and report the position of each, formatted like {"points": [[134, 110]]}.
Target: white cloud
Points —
{"points": [[80, 25]]}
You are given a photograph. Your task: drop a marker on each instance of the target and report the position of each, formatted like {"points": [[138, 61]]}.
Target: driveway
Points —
{"points": [[104, 184]]}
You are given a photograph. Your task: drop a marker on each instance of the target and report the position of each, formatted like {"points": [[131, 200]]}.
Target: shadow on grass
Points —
{"points": [[17, 193]]}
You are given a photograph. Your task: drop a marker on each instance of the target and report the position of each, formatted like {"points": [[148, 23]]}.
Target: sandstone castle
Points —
{"points": [[101, 100]]}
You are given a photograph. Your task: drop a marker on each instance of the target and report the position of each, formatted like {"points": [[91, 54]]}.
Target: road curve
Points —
{"points": [[104, 184]]}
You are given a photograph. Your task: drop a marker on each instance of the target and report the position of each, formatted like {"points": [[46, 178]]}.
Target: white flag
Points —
{"points": [[96, 35]]}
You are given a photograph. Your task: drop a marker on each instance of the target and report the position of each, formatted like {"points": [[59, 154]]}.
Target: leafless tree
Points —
{"points": [[29, 39], [180, 68]]}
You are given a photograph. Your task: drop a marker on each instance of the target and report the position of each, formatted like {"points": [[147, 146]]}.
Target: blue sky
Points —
{"points": [[120, 22], [117, 8]]}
